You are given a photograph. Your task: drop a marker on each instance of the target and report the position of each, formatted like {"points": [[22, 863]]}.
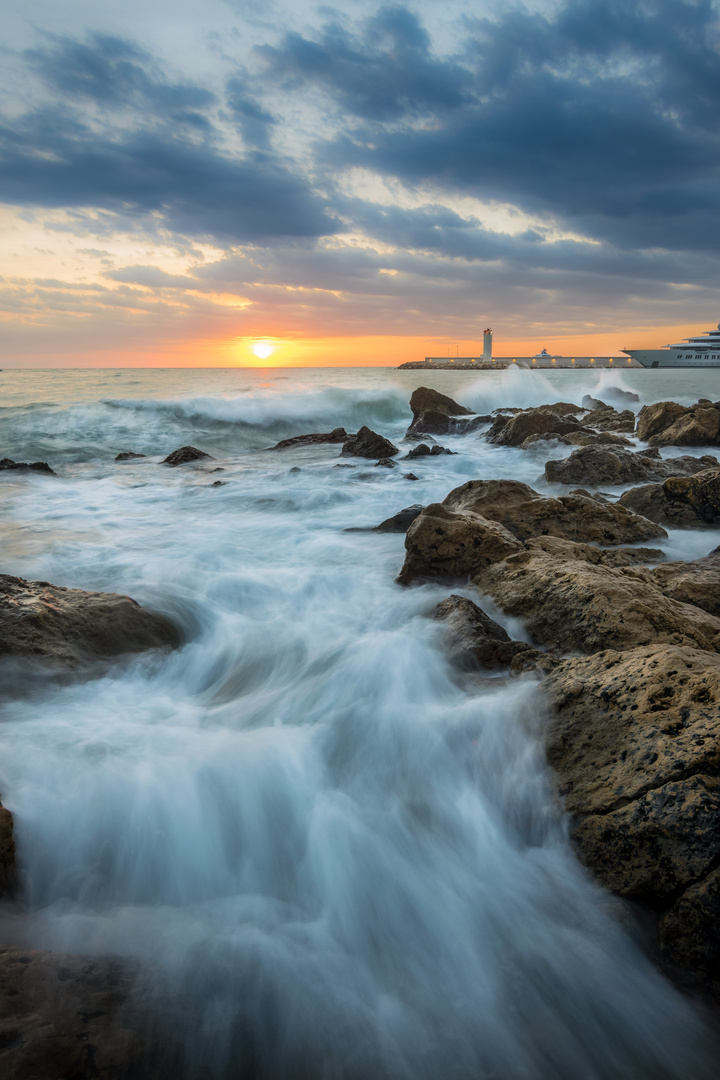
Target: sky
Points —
{"points": [[252, 182]]}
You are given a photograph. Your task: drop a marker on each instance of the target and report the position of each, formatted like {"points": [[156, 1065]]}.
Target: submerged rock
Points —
{"points": [[8, 872], [423, 450], [474, 640], [185, 455], [596, 465], [128, 455], [67, 627], [386, 463], [337, 435], [368, 444], [433, 412], [7, 464]]}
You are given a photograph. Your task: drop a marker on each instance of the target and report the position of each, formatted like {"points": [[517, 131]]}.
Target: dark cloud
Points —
{"points": [[387, 72], [148, 152]]}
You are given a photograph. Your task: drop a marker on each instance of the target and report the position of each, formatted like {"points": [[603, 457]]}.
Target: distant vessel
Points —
{"points": [[703, 351]]}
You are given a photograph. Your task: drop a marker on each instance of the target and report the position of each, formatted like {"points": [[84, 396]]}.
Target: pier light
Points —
{"points": [[573, 360], [592, 359], [553, 359], [533, 359], [611, 359]]}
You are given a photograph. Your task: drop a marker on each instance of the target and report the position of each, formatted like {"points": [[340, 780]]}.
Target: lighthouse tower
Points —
{"points": [[487, 344]]}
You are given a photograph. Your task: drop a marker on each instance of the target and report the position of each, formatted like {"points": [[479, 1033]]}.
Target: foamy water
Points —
{"points": [[348, 861]]}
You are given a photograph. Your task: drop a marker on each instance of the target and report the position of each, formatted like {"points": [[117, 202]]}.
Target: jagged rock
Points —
{"points": [[653, 419], [423, 450], [513, 431], [68, 1017], [368, 444], [699, 427], [385, 463], [337, 435], [8, 875], [583, 437], [624, 397], [595, 466], [67, 627], [400, 522], [700, 492], [592, 403], [618, 556], [576, 516], [475, 640], [128, 455], [651, 502], [7, 465], [695, 583], [634, 739], [433, 412], [185, 455], [575, 606], [610, 419], [444, 543]]}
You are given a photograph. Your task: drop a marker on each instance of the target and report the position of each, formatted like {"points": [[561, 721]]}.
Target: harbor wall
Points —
{"points": [[473, 363]]}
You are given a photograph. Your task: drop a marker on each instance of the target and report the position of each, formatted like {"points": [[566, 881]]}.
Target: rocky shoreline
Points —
{"points": [[625, 644]]}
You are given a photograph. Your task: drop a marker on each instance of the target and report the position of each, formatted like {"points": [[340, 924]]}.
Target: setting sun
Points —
{"points": [[263, 350]]}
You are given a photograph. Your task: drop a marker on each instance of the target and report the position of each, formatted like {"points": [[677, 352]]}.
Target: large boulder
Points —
{"points": [[474, 640], [67, 627], [700, 492], [443, 543], [514, 430], [64, 1017], [609, 419], [698, 427], [337, 435], [433, 412], [368, 444], [576, 516], [573, 605], [651, 501], [634, 739], [653, 419], [595, 466], [695, 583]]}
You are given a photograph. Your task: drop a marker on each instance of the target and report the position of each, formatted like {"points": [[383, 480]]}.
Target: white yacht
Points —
{"points": [[703, 351]]}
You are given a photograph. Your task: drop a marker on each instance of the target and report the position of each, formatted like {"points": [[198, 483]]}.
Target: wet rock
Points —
{"points": [[433, 412], [368, 444], [572, 605], [410, 476], [8, 875], [128, 455], [596, 465], [474, 640], [652, 419], [423, 450], [67, 627], [592, 403], [700, 492], [185, 455], [623, 397], [634, 740], [443, 543], [68, 1017], [618, 556], [513, 431], [583, 437], [698, 427], [695, 583], [610, 419], [400, 522], [386, 463], [651, 502], [577, 516], [219, 483], [337, 435], [7, 465]]}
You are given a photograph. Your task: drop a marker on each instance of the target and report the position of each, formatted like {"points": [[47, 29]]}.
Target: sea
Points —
{"points": [[343, 859]]}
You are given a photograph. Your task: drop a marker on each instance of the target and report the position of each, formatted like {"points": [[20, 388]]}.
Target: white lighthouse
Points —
{"points": [[487, 344]]}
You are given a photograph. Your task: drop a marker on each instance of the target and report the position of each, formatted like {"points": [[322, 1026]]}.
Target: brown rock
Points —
{"points": [[690, 935], [474, 640], [72, 1018], [443, 543], [515, 430], [700, 492], [45, 622], [653, 419], [650, 501], [572, 605], [433, 412], [569, 549], [368, 444], [400, 522], [337, 435], [695, 583], [576, 516], [610, 419], [7, 853], [596, 466], [185, 455], [699, 427]]}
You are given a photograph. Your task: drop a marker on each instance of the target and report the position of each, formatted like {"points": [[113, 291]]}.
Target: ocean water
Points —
{"points": [[342, 860]]}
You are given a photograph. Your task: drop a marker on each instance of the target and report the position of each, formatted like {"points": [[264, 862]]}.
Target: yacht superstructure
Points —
{"points": [[703, 351]]}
